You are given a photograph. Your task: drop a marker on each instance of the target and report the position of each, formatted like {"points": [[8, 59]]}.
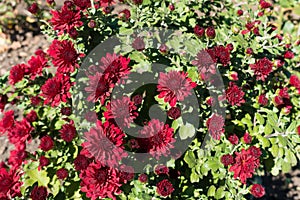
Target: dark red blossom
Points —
{"points": [[56, 90], [222, 54], [263, 100], [298, 130], [171, 7], [82, 4], [278, 101], [36, 64], [33, 8], [68, 132], [17, 157], [62, 173], [262, 68], [125, 14], [244, 166], [66, 19], [160, 138], [210, 32], [249, 51], [215, 126], [3, 101], [235, 95], [257, 190], [17, 73], [233, 139], [35, 100], [46, 143], [284, 93], [10, 184], [39, 193], [264, 4], [44, 161], [163, 48], [105, 143], [229, 47], [7, 121], [227, 160], [126, 173], [137, 2], [240, 12], [174, 86], [295, 81], [164, 188], [143, 178], [234, 76], [81, 162], [137, 99], [138, 44], [255, 151], [20, 132], [92, 24], [66, 111], [205, 61], [199, 31], [31, 116], [161, 169], [64, 56], [99, 181], [289, 55], [174, 113], [122, 111], [247, 138]]}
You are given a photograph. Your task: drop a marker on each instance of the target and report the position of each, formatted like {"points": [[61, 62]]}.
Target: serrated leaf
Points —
{"points": [[190, 159]]}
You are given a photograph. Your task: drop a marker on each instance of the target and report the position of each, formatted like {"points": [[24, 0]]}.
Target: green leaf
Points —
{"points": [[194, 176], [39, 176], [190, 159], [292, 127], [260, 118], [186, 131], [211, 191], [220, 193], [268, 129], [214, 165]]}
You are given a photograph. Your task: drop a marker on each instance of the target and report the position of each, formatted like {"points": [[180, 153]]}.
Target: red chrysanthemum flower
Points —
{"points": [[160, 138], [298, 130], [99, 88], [20, 132], [262, 100], [17, 157], [125, 14], [46, 143], [257, 190], [223, 55], [210, 32], [255, 151], [105, 3], [9, 183], [227, 160], [62, 173], [3, 102], [17, 73], [289, 55], [247, 138], [234, 95], [206, 62], [56, 90], [174, 86], [264, 4], [122, 111], [66, 111], [161, 169], [39, 193], [115, 67], [295, 81], [174, 113], [215, 126], [199, 31], [66, 19], [233, 139], [126, 174], [31, 116], [164, 188], [82, 4], [36, 66], [244, 166], [99, 181], [44, 161], [64, 56], [7, 121], [68, 132], [138, 44], [262, 68], [143, 178], [35, 100], [81, 162], [105, 143], [137, 99]]}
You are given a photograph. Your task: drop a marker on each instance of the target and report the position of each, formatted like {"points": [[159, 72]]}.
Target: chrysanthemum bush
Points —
{"points": [[247, 123]]}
